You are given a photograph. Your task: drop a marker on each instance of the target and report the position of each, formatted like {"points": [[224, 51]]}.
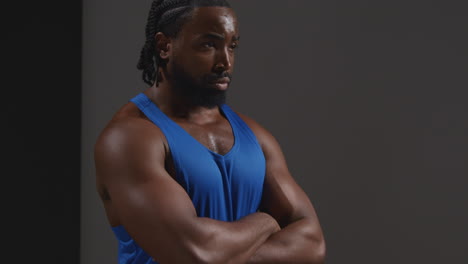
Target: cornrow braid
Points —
{"points": [[168, 17]]}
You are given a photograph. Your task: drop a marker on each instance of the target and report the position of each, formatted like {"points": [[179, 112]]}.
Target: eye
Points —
{"points": [[208, 44], [234, 46]]}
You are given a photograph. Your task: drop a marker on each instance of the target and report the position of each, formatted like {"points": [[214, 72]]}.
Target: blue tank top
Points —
{"points": [[222, 187]]}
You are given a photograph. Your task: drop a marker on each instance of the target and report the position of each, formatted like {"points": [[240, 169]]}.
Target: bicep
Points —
{"points": [[283, 198], [154, 209]]}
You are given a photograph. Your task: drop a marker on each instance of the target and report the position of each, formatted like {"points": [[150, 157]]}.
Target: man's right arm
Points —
{"points": [[157, 212]]}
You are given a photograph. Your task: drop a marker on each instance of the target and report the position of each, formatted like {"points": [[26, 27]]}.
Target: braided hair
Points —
{"points": [[168, 17]]}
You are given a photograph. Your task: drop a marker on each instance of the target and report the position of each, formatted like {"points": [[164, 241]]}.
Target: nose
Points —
{"points": [[224, 60]]}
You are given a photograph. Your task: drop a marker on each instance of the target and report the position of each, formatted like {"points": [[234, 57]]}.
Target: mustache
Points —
{"points": [[214, 76]]}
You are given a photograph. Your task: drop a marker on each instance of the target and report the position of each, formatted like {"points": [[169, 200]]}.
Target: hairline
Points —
{"points": [[187, 17]]}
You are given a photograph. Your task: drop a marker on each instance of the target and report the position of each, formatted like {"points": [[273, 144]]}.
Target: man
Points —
{"points": [[185, 179]]}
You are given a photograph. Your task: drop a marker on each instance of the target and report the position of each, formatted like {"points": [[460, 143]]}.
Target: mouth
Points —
{"points": [[221, 84], [222, 80]]}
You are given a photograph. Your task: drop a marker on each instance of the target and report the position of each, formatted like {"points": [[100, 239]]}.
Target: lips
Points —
{"points": [[224, 80], [221, 84]]}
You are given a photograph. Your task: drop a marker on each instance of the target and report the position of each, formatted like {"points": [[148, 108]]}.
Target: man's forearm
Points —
{"points": [[296, 243], [234, 242]]}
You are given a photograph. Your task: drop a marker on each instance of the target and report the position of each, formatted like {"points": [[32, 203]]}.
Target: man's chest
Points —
{"points": [[217, 137]]}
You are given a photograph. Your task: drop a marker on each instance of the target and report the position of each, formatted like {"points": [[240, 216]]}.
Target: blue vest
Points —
{"points": [[222, 187]]}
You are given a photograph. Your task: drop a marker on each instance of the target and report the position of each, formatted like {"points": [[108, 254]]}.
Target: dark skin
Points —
{"points": [[135, 176]]}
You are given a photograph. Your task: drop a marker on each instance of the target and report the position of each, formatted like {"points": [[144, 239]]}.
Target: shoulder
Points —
{"points": [[264, 137], [129, 138]]}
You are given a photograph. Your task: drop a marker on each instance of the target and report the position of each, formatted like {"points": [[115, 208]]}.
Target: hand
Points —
{"points": [[272, 221]]}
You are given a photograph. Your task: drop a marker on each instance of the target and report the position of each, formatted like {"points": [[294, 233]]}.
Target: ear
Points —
{"points": [[163, 45]]}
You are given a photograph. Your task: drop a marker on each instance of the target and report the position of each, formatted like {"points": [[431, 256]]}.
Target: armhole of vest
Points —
{"points": [[142, 104]]}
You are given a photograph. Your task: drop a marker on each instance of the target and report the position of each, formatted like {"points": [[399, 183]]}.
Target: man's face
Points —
{"points": [[202, 59]]}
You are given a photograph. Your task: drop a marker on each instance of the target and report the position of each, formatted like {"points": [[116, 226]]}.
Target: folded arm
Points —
{"points": [[157, 212], [300, 239]]}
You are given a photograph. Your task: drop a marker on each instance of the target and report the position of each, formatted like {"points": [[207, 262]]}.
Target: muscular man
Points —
{"points": [[184, 178]]}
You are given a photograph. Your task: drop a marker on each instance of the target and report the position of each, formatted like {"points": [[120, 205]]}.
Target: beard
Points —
{"points": [[197, 93]]}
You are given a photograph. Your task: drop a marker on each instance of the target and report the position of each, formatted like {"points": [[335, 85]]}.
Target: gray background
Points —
{"points": [[367, 99]]}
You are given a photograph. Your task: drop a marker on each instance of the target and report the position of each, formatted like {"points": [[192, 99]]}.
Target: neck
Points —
{"points": [[178, 107]]}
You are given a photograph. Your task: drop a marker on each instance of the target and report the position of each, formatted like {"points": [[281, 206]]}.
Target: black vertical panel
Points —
{"points": [[41, 123]]}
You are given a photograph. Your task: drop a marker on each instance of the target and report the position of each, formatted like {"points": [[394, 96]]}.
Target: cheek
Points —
{"points": [[233, 60], [199, 64], [204, 59]]}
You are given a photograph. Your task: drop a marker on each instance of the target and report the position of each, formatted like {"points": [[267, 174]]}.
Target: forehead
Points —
{"points": [[212, 19]]}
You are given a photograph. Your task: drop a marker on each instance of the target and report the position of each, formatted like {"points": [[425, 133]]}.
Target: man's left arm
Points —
{"points": [[301, 239]]}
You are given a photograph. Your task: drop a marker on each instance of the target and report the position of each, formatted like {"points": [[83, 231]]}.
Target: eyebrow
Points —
{"points": [[218, 36]]}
